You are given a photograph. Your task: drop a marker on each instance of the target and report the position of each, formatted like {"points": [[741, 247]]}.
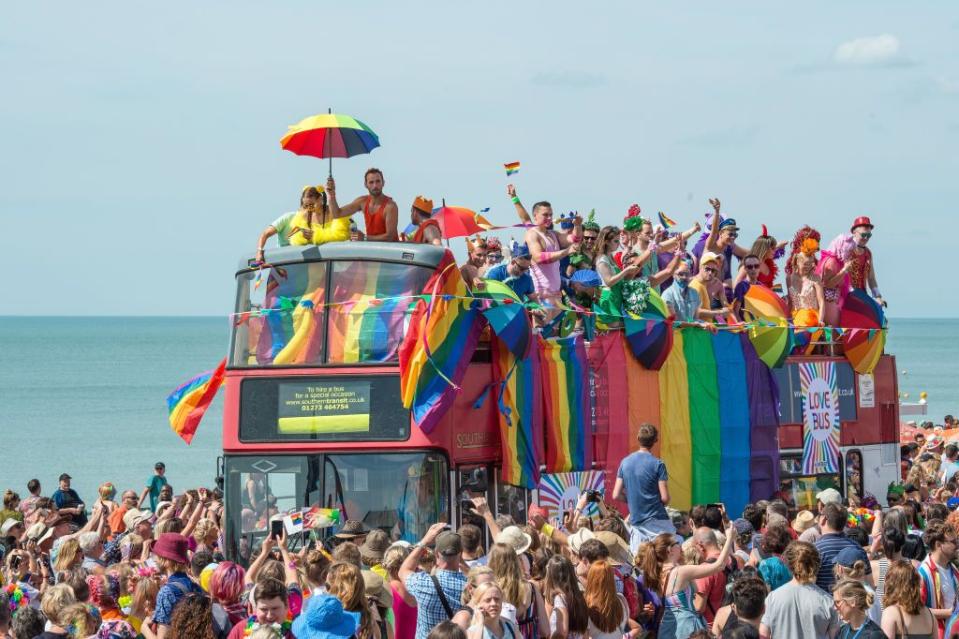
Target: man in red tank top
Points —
{"points": [[427, 229], [379, 210], [862, 272]]}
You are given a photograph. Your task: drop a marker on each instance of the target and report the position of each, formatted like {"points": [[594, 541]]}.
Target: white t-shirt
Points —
{"points": [[948, 586], [560, 602], [800, 610]]}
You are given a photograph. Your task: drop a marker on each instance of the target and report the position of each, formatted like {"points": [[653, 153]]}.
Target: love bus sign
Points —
{"points": [[820, 412]]}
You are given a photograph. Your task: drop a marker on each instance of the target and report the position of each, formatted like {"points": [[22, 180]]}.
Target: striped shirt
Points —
{"points": [[829, 546]]}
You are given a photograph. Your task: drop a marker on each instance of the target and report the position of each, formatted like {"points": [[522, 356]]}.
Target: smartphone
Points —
{"points": [[15, 562], [276, 528]]}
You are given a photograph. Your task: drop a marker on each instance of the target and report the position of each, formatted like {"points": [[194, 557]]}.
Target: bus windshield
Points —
{"points": [[323, 312], [402, 493]]}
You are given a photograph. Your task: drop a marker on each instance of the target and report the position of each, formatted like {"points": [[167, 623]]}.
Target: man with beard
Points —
{"points": [[379, 210], [475, 268]]}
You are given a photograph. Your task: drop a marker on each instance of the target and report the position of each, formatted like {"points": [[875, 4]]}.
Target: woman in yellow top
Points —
{"points": [[709, 286], [313, 223]]}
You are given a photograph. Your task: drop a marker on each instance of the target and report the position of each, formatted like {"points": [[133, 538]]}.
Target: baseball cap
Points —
{"points": [[728, 224], [65, 476], [849, 555], [952, 503], [159, 465], [449, 544], [8, 525], [135, 516], [743, 527], [829, 496]]}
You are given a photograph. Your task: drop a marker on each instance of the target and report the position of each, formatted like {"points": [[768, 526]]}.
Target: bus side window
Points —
{"points": [[854, 479]]}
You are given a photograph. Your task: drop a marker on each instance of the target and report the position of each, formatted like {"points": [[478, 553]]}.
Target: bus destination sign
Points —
{"points": [[337, 406]]}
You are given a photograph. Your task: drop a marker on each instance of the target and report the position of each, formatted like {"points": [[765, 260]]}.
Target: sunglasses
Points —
{"points": [[752, 267], [589, 238], [711, 269], [866, 235]]}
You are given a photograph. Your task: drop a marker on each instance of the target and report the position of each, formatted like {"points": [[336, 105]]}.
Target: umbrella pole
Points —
{"points": [[330, 111], [444, 206]]}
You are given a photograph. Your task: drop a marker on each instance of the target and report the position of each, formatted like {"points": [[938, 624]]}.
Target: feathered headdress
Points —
{"points": [[633, 220], [590, 223], [493, 244], [800, 244]]}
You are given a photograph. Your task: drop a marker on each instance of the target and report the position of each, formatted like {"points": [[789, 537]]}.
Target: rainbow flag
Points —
{"points": [[188, 403], [512, 168], [519, 397], [666, 221], [438, 345], [565, 375]]}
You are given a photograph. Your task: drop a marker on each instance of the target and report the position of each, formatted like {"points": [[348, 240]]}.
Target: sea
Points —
{"points": [[87, 395]]}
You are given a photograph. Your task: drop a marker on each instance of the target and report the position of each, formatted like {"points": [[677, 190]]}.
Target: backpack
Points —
{"points": [[634, 601]]}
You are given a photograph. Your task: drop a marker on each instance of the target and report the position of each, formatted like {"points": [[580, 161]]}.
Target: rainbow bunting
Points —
{"points": [[511, 168], [519, 398], [188, 403], [438, 346], [565, 375], [666, 221]]}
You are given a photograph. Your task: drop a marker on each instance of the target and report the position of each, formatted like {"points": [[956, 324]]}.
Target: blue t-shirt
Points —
{"points": [[522, 285], [155, 484], [178, 585], [641, 474]]}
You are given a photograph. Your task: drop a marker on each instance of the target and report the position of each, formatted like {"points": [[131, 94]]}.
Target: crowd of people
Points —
{"points": [[149, 564], [604, 271]]}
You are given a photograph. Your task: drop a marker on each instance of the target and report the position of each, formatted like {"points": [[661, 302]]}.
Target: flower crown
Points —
{"points": [[633, 220]]}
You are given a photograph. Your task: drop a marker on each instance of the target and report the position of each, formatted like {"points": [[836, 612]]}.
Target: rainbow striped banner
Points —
{"points": [[188, 403], [820, 414], [512, 168], [565, 374], [520, 399]]}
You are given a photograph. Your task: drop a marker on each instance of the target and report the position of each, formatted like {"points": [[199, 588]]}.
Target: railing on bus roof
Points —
{"points": [[339, 303]]}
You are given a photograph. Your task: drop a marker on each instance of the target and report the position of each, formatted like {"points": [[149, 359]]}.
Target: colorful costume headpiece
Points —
{"points": [[633, 220], [590, 223], [566, 221], [801, 243], [493, 244], [478, 243], [319, 188], [423, 204]]}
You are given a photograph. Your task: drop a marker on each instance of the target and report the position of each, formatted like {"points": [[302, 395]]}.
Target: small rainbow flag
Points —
{"points": [[511, 168], [565, 368], [188, 403], [666, 221]]}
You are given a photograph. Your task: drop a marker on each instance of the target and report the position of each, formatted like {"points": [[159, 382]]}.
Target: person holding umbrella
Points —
{"points": [[379, 210]]}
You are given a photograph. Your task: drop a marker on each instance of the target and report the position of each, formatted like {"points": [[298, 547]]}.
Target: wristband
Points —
{"points": [[547, 530], [514, 200]]}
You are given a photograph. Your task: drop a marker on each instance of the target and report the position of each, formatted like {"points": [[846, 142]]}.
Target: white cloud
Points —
{"points": [[881, 49]]}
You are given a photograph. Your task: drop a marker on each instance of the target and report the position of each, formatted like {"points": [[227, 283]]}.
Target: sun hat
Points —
{"points": [[578, 538], [728, 224], [161, 506], [400, 543], [934, 441], [743, 527], [375, 588], [352, 529], [619, 553], [323, 617], [135, 516], [829, 496], [862, 220], [449, 544], [515, 537], [586, 277], [708, 256], [375, 545], [804, 521], [39, 532], [9, 525], [172, 546]]}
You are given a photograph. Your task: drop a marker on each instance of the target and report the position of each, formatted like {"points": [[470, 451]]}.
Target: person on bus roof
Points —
{"points": [[515, 274], [427, 229], [379, 209], [313, 223]]}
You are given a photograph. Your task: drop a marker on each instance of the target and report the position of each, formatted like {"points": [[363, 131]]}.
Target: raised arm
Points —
{"points": [[699, 571], [666, 273], [335, 209], [670, 244], [289, 567], [482, 509], [266, 549], [521, 211], [574, 237], [267, 233], [714, 227], [412, 561]]}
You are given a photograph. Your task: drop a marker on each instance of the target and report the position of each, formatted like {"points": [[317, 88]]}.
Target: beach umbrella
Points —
{"points": [[506, 315], [330, 135], [459, 221], [650, 334], [862, 320], [770, 333]]}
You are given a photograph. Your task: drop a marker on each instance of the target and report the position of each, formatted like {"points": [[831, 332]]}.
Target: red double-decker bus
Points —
{"points": [[313, 413]]}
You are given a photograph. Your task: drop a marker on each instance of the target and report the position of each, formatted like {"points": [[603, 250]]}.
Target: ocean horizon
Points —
{"points": [[85, 394]]}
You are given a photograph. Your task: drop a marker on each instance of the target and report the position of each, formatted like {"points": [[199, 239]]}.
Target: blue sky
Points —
{"points": [[140, 141]]}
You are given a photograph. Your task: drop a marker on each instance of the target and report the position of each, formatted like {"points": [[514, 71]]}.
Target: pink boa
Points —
{"points": [[839, 250]]}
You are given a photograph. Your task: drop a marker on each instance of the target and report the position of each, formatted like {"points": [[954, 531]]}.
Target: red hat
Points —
{"points": [[172, 546], [862, 220]]}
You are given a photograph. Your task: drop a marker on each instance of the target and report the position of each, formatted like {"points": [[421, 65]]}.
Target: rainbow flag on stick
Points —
{"points": [[188, 403], [511, 168], [565, 378], [439, 345]]}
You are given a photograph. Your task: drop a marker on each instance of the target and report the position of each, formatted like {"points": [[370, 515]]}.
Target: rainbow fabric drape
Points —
{"points": [[519, 396], [188, 403], [438, 346], [565, 374]]}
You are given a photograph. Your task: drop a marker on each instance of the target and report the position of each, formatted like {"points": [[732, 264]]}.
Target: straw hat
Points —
{"points": [[515, 537], [619, 553], [375, 546], [804, 521]]}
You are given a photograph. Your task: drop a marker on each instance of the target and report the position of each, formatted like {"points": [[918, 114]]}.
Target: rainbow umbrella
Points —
{"points": [[650, 335], [459, 221], [770, 333], [506, 315], [330, 135], [863, 320]]}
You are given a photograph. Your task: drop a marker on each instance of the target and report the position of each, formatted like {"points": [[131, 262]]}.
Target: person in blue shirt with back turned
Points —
{"points": [[642, 479], [515, 274]]}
